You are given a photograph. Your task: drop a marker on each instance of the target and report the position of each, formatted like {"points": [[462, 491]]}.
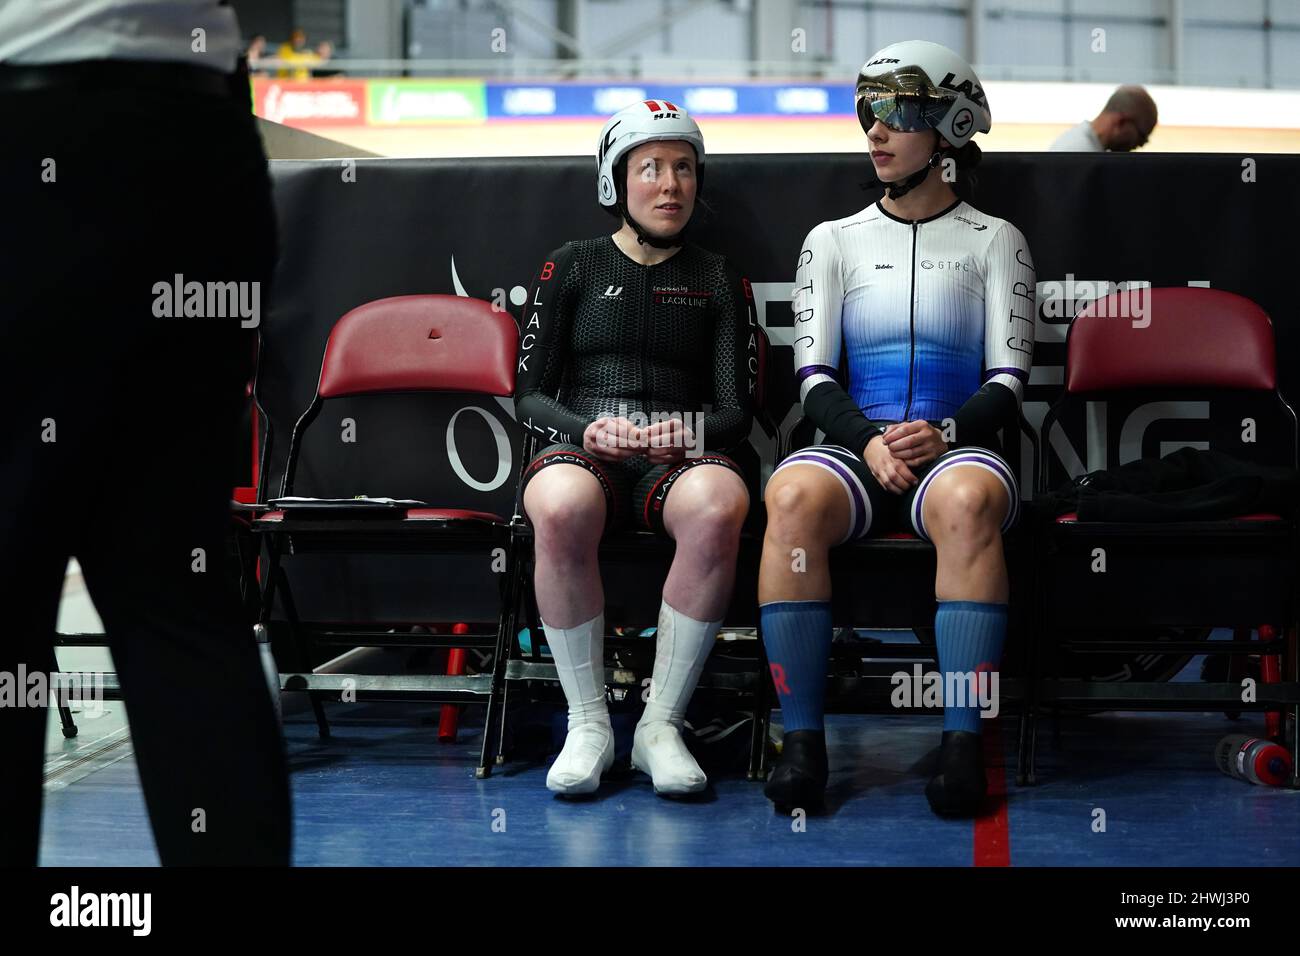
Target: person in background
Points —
{"points": [[112, 112], [256, 48], [296, 51], [1123, 125], [324, 53]]}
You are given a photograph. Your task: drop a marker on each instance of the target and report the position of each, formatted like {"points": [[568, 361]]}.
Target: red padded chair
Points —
{"points": [[413, 343], [1239, 572]]}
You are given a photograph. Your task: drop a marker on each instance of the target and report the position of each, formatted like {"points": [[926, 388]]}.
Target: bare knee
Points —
{"points": [[567, 513], [799, 514], [710, 519], [963, 510]]}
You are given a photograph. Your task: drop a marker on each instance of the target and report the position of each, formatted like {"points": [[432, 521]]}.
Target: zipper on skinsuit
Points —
{"points": [[646, 318], [911, 321]]}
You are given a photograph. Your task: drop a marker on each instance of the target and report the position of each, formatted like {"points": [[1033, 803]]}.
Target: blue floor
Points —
{"points": [[385, 792], [1165, 802]]}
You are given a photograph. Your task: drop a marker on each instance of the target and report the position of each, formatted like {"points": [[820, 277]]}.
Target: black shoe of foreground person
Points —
{"points": [[799, 779], [960, 786]]}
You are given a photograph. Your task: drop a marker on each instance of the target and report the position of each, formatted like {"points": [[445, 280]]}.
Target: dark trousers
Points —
{"points": [[117, 437]]}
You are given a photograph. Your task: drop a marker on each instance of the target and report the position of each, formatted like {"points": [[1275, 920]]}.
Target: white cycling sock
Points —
{"points": [[657, 748], [579, 655]]}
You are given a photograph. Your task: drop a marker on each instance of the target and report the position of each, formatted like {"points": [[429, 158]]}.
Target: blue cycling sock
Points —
{"points": [[797, 636], [970, 635]]}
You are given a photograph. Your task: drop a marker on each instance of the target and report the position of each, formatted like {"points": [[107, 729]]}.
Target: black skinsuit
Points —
{"points": [[603, 335]]}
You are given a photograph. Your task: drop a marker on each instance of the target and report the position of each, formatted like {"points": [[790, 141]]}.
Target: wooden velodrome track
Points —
{"points": [[563, 137]]}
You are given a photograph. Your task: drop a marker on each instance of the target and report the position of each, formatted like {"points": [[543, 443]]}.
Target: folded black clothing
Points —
{"points": [[1189, 484]]}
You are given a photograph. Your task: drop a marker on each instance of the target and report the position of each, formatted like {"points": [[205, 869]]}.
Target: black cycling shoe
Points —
{"points": [[960, 786], [799, 779]]}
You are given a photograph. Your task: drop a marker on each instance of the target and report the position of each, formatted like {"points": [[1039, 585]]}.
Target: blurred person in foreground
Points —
{"points": [[135, 189]]}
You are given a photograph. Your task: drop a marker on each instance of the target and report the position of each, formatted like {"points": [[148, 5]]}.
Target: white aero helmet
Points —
{"points": [[917, 85], [642, 122]]}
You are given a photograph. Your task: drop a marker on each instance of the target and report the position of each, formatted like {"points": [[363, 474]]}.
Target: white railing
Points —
{"points": [[505, 67], [628, 67]]}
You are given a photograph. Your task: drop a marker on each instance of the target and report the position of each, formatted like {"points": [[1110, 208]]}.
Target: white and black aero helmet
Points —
{"points": [[917, 85], [642, 122]]}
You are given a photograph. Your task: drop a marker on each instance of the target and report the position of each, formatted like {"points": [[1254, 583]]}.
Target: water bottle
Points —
{"points": [[1254, 759]]}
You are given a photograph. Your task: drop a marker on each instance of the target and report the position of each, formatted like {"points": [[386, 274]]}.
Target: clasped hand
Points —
{"points": [[892, 456], [617, 439]]}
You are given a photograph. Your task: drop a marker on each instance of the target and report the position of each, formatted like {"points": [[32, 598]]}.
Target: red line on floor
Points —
{"points": [[992, 833]]}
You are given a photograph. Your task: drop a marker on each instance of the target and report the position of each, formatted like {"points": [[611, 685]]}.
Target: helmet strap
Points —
{"points": [[646, 239], [902, 187]]}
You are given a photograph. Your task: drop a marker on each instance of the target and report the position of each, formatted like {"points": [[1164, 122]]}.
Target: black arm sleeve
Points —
{"points": [[543, 348], [981, 415], [835, 413], [735, 363]]}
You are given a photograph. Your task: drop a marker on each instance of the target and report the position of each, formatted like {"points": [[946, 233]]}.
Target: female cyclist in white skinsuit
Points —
{"points": [[931, 302]]}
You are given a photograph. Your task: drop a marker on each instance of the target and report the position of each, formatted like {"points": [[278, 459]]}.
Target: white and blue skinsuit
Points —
{"points": [[932, 319], [935, 317]]}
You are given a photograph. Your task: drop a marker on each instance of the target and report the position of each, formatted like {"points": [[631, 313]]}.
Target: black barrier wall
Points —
{"points": [[357, 230]]}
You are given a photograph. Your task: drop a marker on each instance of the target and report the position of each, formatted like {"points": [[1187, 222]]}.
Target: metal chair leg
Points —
{"points": [[499, 681], [69, 725], [65, 712], [1270, 672], [507, 651], [486, 756], [1022, 748], [1237, 666], [248, 550], [1028, 713], [498, 695], [502, 754], [300, 652], [270, 670], [1031, 778], [484, 768], [762, 712], [267, 600], [1029, 703], [1293, 652], [1030, 771]]}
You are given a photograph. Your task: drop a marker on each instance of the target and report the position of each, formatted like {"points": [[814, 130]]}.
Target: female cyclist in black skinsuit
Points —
{"points": [[625, 340]]}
